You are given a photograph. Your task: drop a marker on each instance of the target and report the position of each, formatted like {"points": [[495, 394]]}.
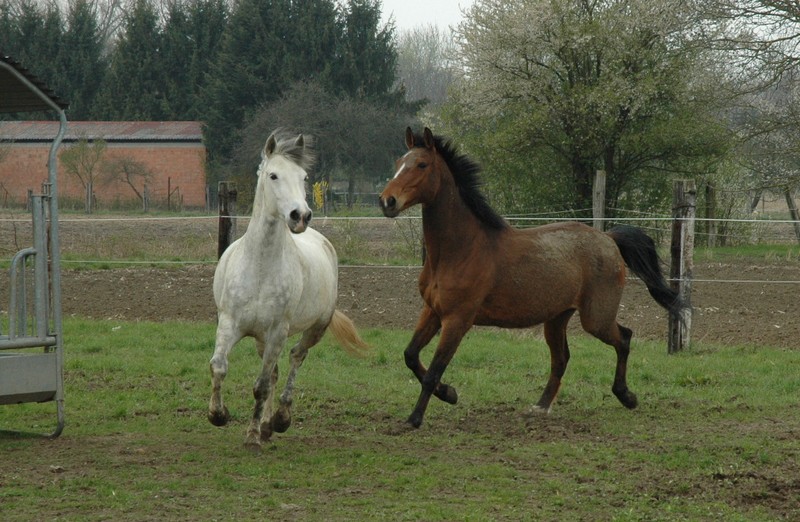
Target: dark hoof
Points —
{"points": [[415, 421], [447, 393], [281, 421], [219, 418], [628, 399]]}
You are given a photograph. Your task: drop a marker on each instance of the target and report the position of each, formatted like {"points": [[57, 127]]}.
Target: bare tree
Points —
{"points": [[129, 171], [83, 161], [425, 66]]}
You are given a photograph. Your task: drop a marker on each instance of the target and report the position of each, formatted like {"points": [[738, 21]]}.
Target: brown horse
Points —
{"points": [[479, 270]]}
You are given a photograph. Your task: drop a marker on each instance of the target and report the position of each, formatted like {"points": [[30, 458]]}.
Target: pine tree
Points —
{"points": [[367, 55], [81, 57], [268, 45], [134, 87]]}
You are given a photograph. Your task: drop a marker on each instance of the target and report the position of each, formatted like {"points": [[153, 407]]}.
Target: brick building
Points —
{"points": [[171, 151]]}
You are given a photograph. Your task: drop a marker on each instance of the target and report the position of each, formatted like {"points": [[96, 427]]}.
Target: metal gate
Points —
{"points": [[32, 348]]}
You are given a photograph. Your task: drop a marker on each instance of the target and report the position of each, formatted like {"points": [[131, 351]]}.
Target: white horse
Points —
{"points": [[274, 282]]}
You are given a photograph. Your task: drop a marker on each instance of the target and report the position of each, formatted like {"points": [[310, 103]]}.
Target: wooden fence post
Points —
{"points": [[227, 215], [682, 264], [599, 200]]}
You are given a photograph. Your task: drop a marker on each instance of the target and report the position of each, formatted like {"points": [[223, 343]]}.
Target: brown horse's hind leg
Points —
{"points": [[427, 327], [620, 338], [620, 387], [555, 333]]}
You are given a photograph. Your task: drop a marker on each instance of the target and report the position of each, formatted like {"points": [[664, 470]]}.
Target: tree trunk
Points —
{"points": [[87, 204], [755, 200], [583, 175], [795, 216]]}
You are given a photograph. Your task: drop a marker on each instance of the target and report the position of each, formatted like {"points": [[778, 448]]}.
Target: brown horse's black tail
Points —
{"points": [[639, 253]]}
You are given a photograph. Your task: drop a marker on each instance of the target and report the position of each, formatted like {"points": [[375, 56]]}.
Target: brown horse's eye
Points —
{"points": [[422, 165]]}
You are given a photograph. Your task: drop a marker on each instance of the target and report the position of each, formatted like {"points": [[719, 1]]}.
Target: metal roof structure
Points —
{"points": [[34, 314], [19, 90]]}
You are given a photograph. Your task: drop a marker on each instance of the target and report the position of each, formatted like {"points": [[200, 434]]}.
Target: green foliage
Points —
{"points": [[192, 34], [355, 139], [366, 54], [134, 87], [618, 86], [342, 52], [198, 60], [82, 59]]}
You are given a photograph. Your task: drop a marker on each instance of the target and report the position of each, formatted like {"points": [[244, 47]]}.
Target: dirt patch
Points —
{"points": [[734, 302]]}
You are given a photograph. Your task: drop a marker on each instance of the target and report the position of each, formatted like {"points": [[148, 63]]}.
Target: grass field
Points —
{"points": [[715, 436]]}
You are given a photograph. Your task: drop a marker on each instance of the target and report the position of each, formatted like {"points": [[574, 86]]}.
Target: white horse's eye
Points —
{"points": [[273, 176]]}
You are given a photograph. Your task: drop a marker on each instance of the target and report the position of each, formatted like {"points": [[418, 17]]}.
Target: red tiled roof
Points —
{"points": [[111, 131]]}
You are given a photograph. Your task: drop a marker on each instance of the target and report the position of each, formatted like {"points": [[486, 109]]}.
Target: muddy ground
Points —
{"points": [[735, 302]]}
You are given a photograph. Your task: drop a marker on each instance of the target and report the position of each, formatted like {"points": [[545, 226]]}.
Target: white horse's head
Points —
{"points": [[283, 174]]}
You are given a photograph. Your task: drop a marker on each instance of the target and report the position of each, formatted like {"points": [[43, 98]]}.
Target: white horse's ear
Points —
{"points": [[428, 136], [409, 138], [269, 147], [300, 142]]}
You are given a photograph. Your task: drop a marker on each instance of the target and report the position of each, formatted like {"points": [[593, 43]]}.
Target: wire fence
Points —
{"points": [[370, 242]]}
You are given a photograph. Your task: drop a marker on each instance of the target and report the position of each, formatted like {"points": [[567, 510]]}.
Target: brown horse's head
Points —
{"points": [[416, 179]]}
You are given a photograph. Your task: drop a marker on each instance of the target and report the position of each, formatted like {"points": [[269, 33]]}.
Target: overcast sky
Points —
{"points": [[408, 14]]}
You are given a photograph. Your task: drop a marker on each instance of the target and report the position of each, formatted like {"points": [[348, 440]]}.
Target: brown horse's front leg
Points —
{"points": [[427, 327], [448, 344]]}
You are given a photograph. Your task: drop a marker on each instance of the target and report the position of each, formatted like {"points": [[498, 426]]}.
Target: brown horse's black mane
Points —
{"points": [[466, 174]]}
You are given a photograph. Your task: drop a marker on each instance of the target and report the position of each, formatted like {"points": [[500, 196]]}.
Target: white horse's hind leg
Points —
{"points": [[218, 414], [283, 417]]}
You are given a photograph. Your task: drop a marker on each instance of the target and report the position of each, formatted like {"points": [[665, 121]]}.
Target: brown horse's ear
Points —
{"points": [[409, 138], [428, 136]]}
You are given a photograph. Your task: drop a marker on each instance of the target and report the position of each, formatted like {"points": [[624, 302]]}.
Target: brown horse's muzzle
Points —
{"points": [[388, 206]]}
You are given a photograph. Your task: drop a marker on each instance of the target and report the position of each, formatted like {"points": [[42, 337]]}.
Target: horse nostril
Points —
{"points": [[391, 202], [308, 217], [294, 215]]}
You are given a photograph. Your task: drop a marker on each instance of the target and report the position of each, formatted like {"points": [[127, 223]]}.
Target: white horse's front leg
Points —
{"points": [[226, 337], [263, 390], [269, 404], [283, 417]]}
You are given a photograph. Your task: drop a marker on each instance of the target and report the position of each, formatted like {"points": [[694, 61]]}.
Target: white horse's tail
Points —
{"points": [[344, 330]]}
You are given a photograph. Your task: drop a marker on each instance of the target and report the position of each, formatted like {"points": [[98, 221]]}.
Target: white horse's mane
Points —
{"points": [[302, 154]]}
